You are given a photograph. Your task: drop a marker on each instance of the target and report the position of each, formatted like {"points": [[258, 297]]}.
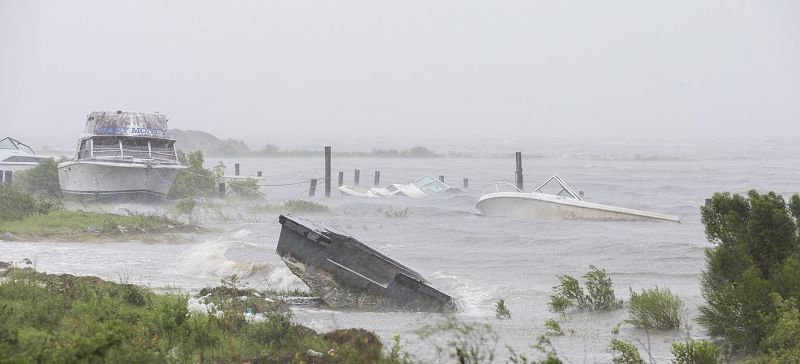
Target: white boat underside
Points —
{"points": [[110, 179], [545, 206]]}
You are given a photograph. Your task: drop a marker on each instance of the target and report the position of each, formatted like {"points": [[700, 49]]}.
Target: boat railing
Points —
{"points": [[566, 190], [499, 187]]}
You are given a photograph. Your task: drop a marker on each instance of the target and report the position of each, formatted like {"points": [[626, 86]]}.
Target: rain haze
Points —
{"points": [[260, 70], [374, 164]]}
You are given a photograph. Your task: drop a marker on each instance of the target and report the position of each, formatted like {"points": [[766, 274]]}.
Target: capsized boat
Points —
{"points": [[122, 154], [16, 155], [420, 188], [347, 273], [555, 199]]}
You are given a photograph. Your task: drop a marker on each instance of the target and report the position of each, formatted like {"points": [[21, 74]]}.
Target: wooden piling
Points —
{"points": [[441, 178], [377, 178], [1, 176], [327, 171], [221, 190], [312, 190], [236, 169], [7, 177], [341, 179], [520, 182], [356, 176], [258, 173], [466, 182]]}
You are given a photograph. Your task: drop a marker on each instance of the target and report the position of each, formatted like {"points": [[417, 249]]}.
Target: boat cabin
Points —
{"points": [[127, 147]]}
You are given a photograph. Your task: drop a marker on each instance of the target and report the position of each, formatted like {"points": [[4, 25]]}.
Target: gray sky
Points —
{"points": [[263, 69]]}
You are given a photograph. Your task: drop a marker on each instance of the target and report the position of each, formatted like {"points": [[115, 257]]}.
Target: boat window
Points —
{"points": [[391, 188], [135, 147], [431, 185], [85, 152], [162, 149], [106, 147]]}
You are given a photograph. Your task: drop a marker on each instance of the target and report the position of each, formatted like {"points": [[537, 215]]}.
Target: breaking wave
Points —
{"points": [[210, 259]]}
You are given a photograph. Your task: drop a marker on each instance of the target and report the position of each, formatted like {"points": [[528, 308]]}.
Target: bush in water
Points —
{"points": [[568, 293], [696, 352], [655, 308]]}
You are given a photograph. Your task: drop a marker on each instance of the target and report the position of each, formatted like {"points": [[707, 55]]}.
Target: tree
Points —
{"points": [[755, 259], [195, 181]]}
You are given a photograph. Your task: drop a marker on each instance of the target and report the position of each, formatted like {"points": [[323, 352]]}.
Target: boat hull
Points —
{"points": [[541, 206], [108, 180], [346, 273]]}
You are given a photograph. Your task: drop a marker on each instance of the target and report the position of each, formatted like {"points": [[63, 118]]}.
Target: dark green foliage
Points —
{"points": [[68, 319], [570, 294], [195, 181], [41, 180], [696, 352], [755, 258], [543, 346], [501, 311], [624, 352], [655, 308], [17, 205]]}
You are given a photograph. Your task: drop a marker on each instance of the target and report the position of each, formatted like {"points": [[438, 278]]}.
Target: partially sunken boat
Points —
{"points": [[122, 154], [422, 187], [561, 202], [346, 273]]}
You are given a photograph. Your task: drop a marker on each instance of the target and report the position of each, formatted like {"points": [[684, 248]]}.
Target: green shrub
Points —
{"points": [[41, 180], [302, 206], [570, 294], [247, 188], [553, 328], [624, 352], [696, 352], [655, 308], [17, 205], [501, 311]]}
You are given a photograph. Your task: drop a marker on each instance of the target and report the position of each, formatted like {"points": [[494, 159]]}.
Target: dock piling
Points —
{"points": [[312, 190], [341, 179], [8, 177], [520, 182], [327, 171], [356, 176], [377, 178], [236, 169], [221, 190], [466, 182]]}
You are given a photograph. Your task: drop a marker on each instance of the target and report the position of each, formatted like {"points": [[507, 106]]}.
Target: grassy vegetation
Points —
{"points": [[82, 225], [655, 308], [291, 206], [195, 181], [68, 319], [553, 328]]}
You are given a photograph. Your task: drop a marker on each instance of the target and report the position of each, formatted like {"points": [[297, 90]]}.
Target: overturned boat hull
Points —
{"points": [[346, 273], [545, 206]]}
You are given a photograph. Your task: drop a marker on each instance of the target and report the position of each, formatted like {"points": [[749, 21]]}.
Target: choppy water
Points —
{"points": [[477, 259]]}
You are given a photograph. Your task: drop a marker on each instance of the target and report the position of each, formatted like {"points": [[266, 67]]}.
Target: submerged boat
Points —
{"points": [[420, 188], [347, 273], [122, 154], [555, 199], [16, 155]]}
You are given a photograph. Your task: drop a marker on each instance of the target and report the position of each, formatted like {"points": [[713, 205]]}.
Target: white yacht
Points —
{"points": [[420, 188], [122, 154], [555, 199], [16, 155]]}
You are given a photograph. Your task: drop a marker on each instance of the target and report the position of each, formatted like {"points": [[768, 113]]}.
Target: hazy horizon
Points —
{"points": [[266, 71]]}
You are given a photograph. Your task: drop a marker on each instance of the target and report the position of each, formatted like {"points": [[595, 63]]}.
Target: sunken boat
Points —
{"points": [[346, 273], [122, 155]]}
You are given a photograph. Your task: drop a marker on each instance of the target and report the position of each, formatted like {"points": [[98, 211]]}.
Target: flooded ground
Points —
{"points": [[476, 259]]}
